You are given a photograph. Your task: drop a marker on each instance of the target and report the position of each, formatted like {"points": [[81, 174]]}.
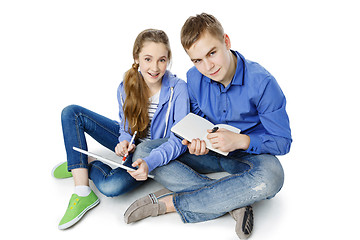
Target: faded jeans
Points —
{"points": [[199, 198], [196, 197]]}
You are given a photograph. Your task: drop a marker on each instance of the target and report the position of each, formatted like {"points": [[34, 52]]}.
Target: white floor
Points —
{"points": [[309, 206], [108, 217], [56, 53]]}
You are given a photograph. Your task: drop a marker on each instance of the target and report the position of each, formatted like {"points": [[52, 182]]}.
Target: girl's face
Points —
{"points": [[153, 60]]}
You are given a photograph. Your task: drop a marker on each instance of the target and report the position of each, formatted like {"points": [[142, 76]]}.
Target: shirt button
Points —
{"points": [[224, 110]]}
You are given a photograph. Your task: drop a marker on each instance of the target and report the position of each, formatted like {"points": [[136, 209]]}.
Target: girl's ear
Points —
{"points": [[227, 41]]}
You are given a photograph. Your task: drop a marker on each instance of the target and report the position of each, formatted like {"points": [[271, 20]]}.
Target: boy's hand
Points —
{"points": [[196, 146], [222, 139], [228, 141], [141, 174]]}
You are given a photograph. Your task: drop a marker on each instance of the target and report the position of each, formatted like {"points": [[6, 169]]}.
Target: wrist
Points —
{"points": [[244, 142], [145, 165]]}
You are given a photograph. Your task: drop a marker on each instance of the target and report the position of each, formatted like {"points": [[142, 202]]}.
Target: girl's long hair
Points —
{"points": [[137, 92]]}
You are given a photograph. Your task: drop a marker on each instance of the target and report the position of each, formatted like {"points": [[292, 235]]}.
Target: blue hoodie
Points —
{"points": [[173, 106]]}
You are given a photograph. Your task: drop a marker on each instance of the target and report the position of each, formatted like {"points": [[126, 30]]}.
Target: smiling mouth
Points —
{"points": [[214, 73], [154, 75]]}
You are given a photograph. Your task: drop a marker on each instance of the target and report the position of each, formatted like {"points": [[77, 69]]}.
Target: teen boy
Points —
{"points": [[224, 87]]}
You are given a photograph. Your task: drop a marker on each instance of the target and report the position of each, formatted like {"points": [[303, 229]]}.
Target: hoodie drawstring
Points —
{"points": [[168, 110]]}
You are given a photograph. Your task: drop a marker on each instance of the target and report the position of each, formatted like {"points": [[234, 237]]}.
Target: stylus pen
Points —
{"points": [[131, 142], [214, 129]]}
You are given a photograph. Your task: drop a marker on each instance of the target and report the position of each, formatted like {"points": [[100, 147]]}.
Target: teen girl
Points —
{"points": [[148, 97]]}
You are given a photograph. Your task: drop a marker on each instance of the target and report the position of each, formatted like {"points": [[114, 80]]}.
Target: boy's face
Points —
{"points": [[212, 58]]}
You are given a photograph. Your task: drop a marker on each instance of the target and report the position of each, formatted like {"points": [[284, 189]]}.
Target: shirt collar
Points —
{"points": [[238, 78]]}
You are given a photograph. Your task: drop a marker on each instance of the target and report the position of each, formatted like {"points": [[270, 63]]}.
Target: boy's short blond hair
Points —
{"points": [[195, 26]]}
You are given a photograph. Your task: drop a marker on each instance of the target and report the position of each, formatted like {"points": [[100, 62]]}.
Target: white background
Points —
{"points": [[56, 53]]}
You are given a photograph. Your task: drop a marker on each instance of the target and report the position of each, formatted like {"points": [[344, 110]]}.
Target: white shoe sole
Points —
{"points": [[54, 168]]}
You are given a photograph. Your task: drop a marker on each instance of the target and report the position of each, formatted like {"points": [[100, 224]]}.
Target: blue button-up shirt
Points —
{"points": [[252, 102]]}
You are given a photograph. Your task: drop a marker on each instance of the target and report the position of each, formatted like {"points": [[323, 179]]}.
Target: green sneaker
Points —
{"points": [[61, 171], [78, 206]]}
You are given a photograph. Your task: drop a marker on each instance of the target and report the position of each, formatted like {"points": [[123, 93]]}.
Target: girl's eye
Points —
{"points": [[147, 59], [212, 53], [162, 60]]}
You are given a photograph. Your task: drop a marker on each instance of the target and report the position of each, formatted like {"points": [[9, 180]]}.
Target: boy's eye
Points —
{"points": [[212, 53], [196, 61], [147, 59], [162, 60]]}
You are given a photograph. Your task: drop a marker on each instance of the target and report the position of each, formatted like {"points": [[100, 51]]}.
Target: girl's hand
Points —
{"points": [[141, 174], [196, 146], [123, 148]]}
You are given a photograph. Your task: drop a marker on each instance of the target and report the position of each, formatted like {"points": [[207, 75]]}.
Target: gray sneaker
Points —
{"points": [[146, 206], [244, 221]]}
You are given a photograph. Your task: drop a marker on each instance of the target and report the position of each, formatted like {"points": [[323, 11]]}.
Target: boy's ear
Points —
{"points": [[227, 41]]}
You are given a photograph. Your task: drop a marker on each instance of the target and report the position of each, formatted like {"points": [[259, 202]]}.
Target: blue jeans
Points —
{"points": [[114, 182], [196, 197], [76, 121], [199, 198]]}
